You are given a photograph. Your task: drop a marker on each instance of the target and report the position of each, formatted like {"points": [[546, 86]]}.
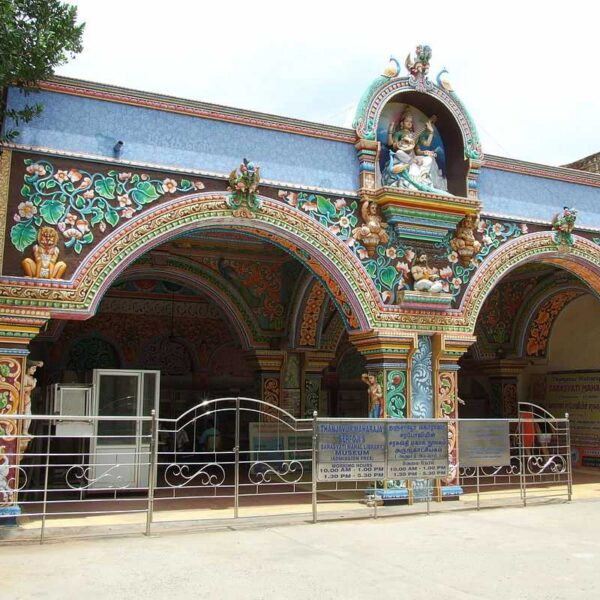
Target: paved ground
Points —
{"points": [[542, 552]]}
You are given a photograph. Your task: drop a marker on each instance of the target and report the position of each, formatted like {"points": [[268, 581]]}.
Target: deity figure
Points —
{"points": [[411, 166], [29, 383], [6, 491], [45, 263], [376, 404], [464, 242], [426, 279], [420, 65], [563, 225], [373, 231]]}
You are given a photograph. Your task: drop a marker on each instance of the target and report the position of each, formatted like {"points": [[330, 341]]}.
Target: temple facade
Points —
{"points": [[391, 269]]}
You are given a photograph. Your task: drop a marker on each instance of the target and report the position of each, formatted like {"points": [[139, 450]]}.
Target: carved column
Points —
{"points": [[368, 151], [268, 365], [446, 350], [314, 397], [504, 379], [17, 328], [387, 354]]}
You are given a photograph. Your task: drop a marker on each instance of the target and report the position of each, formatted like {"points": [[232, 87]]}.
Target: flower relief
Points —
{"points": [[78, 202], [339, 215]]}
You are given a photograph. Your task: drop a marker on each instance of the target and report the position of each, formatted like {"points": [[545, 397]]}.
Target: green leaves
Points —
{"points": [[23, 235], [106, 187], [111, 216], [144, 193], [325, 206], [388, 276], [52, 211]]}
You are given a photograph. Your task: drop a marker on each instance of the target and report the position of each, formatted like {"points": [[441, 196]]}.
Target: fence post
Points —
{"points": [[46, 476], [314, 468], [152, 469], [236, 491], [569, 465], [522, 475]]}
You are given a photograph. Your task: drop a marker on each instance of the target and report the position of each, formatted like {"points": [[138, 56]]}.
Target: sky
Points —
{"points": [[527, 70]]}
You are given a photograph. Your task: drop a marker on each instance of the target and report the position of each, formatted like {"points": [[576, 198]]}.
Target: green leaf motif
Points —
{"points": [[144, 193], [388, 276], [22, 235], [111, 216], [185, 185], [325, 206], [52, 211], [371, 268], [25, 191], [106, 187], [4, 370], [98, 215]]}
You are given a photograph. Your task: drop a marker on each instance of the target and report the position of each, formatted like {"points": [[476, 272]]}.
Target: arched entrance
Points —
{"points": [[537, 322]]}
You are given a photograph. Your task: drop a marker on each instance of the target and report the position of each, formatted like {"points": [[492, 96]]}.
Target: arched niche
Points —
{"points": [[447, 139]]}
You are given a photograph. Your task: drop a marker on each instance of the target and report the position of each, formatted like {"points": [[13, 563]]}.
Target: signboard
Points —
{"points": [[579, 395], [351, 450], [417, 450], [483, 443]]}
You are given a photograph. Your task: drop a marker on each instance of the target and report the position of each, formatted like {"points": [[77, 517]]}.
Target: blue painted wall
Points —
{"points": [[93, 126], [531, 197]]}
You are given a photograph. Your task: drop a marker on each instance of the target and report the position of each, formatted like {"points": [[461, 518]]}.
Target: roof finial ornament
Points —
{"points": [[418, 67]]}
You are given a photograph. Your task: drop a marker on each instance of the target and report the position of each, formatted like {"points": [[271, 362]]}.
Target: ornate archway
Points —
{"points": [[582, 259], [328, 258]]}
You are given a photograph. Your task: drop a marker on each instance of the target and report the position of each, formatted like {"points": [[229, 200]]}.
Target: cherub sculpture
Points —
{"points": [[464, 242], [373, 231], [45, 263]]}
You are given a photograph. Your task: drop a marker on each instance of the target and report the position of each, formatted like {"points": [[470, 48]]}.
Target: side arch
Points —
{"points": [[319, 250], [582, 260]]}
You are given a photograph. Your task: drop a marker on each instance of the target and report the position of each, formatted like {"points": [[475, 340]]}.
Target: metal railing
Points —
{"points": [[239, 457]]}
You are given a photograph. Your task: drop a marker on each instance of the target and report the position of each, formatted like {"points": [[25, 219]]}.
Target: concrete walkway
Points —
{"points": [[542, 552]]}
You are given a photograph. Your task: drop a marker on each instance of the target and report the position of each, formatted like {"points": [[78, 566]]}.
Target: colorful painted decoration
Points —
{"points": [[396, 393], [77, 202], [373, 231], [243, 183], [563, 225], [464, 242], [45, 263], [412, 160], [419, 65], [376, 400]]}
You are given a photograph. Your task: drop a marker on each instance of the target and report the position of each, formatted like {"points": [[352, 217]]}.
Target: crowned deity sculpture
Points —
{"points": [[464, 242], [373, 231], [411, 165]]}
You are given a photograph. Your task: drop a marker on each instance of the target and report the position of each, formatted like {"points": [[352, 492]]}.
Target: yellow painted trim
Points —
{"points": [[5, 161]]}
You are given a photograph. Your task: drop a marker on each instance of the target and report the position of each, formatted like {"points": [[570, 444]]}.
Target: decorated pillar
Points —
{"points": [[368, 151], [17, 328], [314, 397], [387, 354], [268, 365], [446, 350], [504, 380]]}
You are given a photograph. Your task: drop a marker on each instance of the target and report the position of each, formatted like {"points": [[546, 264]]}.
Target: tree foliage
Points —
{"points": [[36, 36]]}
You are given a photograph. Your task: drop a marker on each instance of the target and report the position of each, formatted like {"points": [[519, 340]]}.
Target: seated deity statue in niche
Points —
{"points": [[412, 165]]}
